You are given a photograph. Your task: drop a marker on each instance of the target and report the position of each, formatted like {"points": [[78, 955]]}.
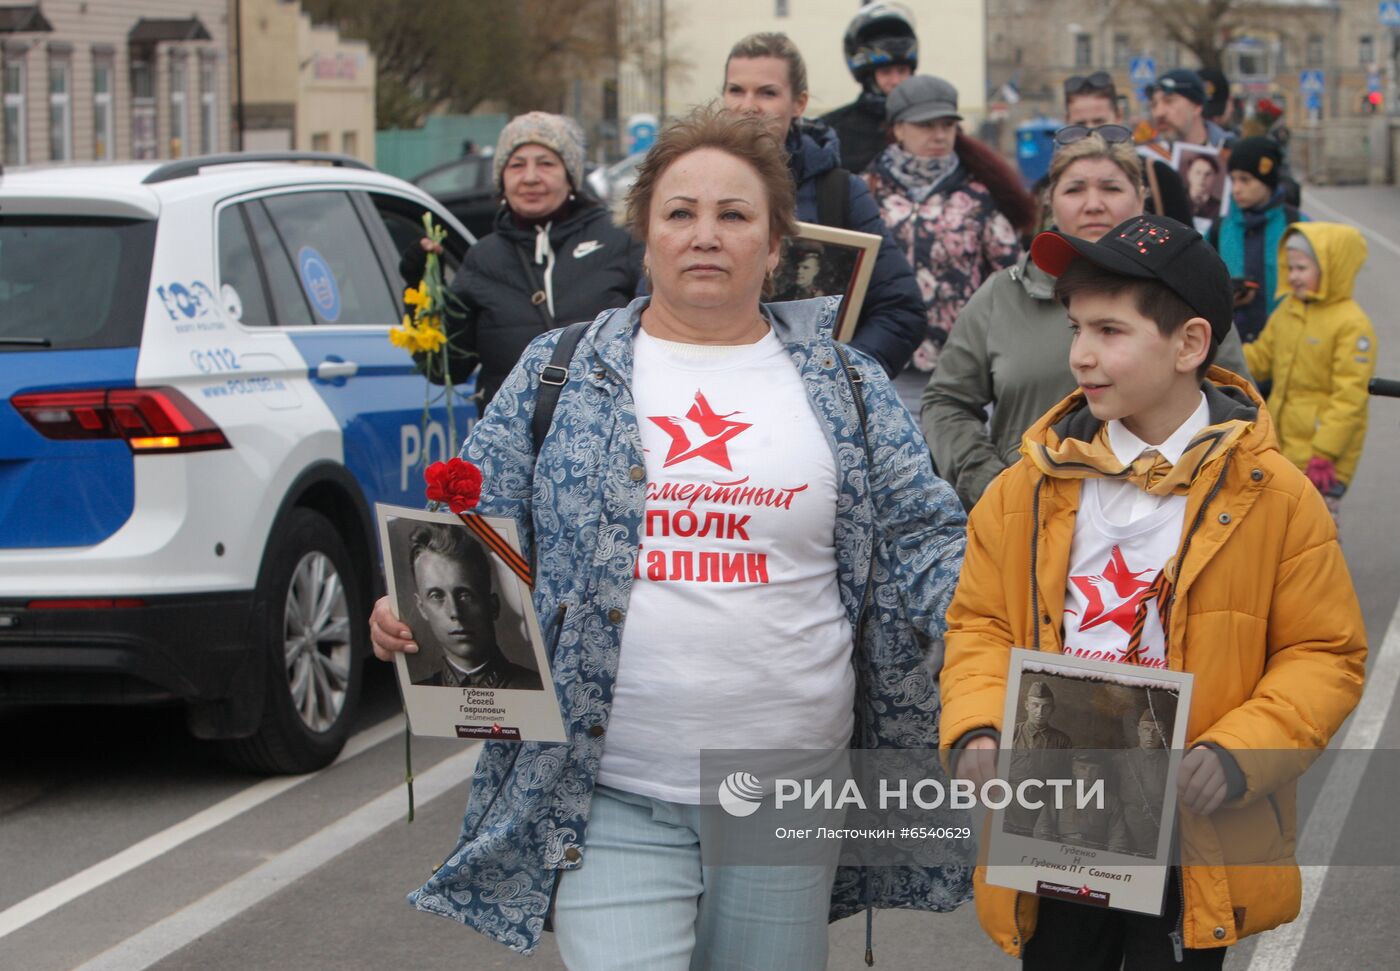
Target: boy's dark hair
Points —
{"points": [[1153, 299]]}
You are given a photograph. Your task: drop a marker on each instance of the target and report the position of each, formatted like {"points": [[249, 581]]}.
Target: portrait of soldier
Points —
{"points": [[1037, 753], [454, 593], [1140, 779], [1090, 826]]}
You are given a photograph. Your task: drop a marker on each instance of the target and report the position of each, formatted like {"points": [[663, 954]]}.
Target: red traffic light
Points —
{"points": [[1375, 98]]}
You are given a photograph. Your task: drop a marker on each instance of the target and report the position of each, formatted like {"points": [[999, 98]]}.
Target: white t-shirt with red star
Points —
{"points": [[735, 637], [1123, 537]]}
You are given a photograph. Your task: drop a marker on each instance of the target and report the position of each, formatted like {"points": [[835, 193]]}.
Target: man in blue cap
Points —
{"points": [[1178, 110]]}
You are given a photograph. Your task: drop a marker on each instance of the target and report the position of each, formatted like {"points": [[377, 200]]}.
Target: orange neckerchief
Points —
{"points": [[1074, 458]]}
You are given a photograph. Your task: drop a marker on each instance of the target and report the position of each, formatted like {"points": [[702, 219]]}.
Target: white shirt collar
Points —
{"points": [[1127, 446]]}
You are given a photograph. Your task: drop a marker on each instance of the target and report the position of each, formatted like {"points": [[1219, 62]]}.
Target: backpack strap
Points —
{"points": [[834, 198], [552, 378]]}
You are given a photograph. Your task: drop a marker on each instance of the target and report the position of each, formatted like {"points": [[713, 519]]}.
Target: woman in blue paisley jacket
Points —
{"points": [[729, 552]]}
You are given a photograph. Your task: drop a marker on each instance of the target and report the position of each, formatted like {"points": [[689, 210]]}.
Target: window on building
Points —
{"points": [[208, 107], [780, 8], [349, 143], [1366, 50], [1083, 50], [143, 109], [179, 117], [16, 152], [102, 120], [60, 109], [1314, 54], [1122, 50], [320, 141]]}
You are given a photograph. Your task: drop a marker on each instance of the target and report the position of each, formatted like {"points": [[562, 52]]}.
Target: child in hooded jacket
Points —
{"points": [[1151, 521], [1319, 351]]}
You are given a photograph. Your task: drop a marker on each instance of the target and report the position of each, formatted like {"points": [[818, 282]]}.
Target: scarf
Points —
{"points": [[917, 176], [1075, 458]]}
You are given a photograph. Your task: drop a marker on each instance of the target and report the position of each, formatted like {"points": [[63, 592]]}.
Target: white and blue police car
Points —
{"points": [[199, 407]]}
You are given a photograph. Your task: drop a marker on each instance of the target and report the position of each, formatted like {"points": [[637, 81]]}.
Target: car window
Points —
{"points": [[403, 219], [463, 175], [334, 261], [240, 282], [288, 299], [42, 256]]}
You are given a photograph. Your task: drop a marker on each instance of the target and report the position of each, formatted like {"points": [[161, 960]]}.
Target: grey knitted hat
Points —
{"points": [[558, 133]]}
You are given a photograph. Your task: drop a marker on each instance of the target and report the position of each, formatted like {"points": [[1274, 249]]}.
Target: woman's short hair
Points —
{"points": [[743, 136], [1121, 154], [773, 44]]}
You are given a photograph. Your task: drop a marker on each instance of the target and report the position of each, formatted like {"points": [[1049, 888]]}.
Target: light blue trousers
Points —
{"points": [[642, 901]]}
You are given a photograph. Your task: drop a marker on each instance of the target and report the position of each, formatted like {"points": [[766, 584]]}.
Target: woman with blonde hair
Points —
{"points": [[1010, 346], [791, 619]]}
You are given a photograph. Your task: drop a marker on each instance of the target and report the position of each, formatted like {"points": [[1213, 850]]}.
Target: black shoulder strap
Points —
{"points": [[553, 377], [834, 198]]}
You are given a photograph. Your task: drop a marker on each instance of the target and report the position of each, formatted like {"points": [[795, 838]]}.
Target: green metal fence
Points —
{"points": [[408, 153]]}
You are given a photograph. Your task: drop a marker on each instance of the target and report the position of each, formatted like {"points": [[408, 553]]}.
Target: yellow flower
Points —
{"points": [[430, 338], [417, 339], [417, 296]]}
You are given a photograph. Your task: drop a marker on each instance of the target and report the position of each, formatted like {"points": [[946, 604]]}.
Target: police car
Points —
{"points": [[199, 406]]}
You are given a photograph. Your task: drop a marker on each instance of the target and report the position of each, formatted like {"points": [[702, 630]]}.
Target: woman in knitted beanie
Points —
{"points": [[554, 256]]}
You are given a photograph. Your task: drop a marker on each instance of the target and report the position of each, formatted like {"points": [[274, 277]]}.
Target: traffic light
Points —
{"points": [[1375, 99]]}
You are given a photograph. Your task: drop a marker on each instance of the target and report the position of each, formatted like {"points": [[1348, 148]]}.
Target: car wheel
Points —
{"points": [[314, 635]]}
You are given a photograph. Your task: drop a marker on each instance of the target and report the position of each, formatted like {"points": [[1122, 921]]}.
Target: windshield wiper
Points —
{"points": [[25, 342]]}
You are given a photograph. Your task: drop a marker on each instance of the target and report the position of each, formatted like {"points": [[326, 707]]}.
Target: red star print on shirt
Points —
{"points": [[714, 433], [1127, 589]]}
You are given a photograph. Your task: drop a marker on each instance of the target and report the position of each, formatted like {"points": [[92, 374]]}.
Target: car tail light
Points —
{"points": [[150, 420]]}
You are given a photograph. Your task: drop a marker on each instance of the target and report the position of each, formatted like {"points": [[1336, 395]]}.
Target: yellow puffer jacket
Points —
{"points": [[1320, 353], [1265, 618]]}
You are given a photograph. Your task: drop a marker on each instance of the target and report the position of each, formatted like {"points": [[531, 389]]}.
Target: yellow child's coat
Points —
{"points": [[1320, 354]]}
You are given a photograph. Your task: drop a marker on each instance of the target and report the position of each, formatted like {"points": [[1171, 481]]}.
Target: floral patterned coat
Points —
{"points": [[954, 239], [579, 508]]}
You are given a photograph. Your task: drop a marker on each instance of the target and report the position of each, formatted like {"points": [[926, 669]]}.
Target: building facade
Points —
{"points": [[1268, 46], [303, 86], [116, 79], [674, 55]]}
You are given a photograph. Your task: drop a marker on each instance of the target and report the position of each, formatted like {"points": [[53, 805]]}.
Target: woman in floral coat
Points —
{"points": [[950, 203]]}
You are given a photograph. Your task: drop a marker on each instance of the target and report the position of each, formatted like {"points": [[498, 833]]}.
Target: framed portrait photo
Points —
{"points": [[1207, 181], [1090, 754], [481, 670], [824, 262]]}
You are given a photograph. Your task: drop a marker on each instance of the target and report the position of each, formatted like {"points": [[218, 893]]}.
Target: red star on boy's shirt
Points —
{"points": [[1127, 589], [712, 431]]}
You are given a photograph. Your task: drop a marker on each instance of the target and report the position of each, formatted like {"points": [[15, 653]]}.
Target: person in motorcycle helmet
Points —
{"points": [[881, 51]]}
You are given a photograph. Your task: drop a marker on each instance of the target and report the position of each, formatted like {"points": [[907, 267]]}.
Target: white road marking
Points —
{"points": [[138, 854], [1337, 215], [165, 937], [1278, 949]]}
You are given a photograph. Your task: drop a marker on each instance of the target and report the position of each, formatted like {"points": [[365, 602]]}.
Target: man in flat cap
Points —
{"points": [[1033, 753]]}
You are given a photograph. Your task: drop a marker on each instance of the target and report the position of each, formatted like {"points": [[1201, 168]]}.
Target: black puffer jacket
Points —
{"points": [[860, 127], [595, 265]]}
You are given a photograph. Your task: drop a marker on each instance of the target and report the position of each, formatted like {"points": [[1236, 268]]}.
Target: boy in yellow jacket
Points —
{"points": [[1149, 469], [1319, 350]]}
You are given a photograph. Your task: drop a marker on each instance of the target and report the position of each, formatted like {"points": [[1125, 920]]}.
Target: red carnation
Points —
{"points": [[455, 482]]}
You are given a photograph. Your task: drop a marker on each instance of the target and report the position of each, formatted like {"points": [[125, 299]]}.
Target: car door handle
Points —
{"points": [[329, 370]]}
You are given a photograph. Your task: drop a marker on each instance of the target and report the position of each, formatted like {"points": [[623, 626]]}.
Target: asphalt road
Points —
{"points": [[124, 844]]}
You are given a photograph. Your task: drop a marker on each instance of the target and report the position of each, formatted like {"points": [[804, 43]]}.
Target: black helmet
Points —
{"points": [[880, 33]]}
